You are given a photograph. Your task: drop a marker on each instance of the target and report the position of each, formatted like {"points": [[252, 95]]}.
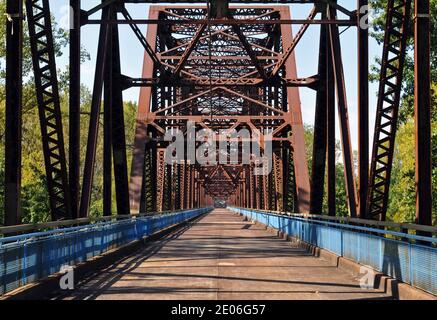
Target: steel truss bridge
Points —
{"points": [[220, 66]]}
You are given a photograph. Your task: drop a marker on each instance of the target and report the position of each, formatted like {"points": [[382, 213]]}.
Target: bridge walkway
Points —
{"points": [[221, 256]]}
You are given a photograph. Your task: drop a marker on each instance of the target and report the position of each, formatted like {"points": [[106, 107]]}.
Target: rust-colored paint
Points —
{"points": [[137, 169]]}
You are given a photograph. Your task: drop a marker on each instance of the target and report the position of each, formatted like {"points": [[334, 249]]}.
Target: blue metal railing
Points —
{"points": [[29, 257], [409, 262]]}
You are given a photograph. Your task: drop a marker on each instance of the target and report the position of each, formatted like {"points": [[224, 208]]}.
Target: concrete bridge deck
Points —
{"points": [[222, 257]]}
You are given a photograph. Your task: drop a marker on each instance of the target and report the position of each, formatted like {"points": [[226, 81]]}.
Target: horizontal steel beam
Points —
{"points": [[253, 2], [339, 22], [311, 82]]}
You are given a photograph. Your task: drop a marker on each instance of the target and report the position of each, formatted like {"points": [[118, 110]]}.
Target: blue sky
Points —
{"points": [[306, 56]]}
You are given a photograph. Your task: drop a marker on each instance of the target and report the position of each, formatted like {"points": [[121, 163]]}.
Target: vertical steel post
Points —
{"points": [[94, 117], [192, 186], [331, 144], [257, 193], [343, 115], [422, 112], [387, 108], [107, 122], [118, 127], [302, 180], [14, 55], [320, 129], [363, 106], [74, 113], [141, 130], [168, 187], [196, 190]]}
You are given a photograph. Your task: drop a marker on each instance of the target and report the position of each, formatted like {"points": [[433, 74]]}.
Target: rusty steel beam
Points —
{"points": [[88, 173], [320, 128], [279, 182], [160, 179], [248, 47], [422, 111], [302, 181], [149, 181], [74, 107], [189, 49], [128, 82], [293, 44], [330, 134], [290, 187], [387, 108], [49, 107], [118, 131], [344, 117], [13, 112], [107, 123], [339, 22], [137, 168], [188, 185], [363, 107], [147, 47], [254, 4], [183, 185]]}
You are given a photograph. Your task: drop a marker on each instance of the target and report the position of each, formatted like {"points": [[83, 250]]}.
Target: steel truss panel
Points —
{"points": [[47, 93], [238, 57], [390, 87]]}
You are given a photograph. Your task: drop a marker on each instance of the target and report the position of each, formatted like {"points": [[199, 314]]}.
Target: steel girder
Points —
{"points": [[320, 126], [47, 93], [107, 72], [422, 112], [13, 114], [74, 108], [231, 54], [390, 86], [349, 174], [254, 3], [94, 118], [149, 185]]}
